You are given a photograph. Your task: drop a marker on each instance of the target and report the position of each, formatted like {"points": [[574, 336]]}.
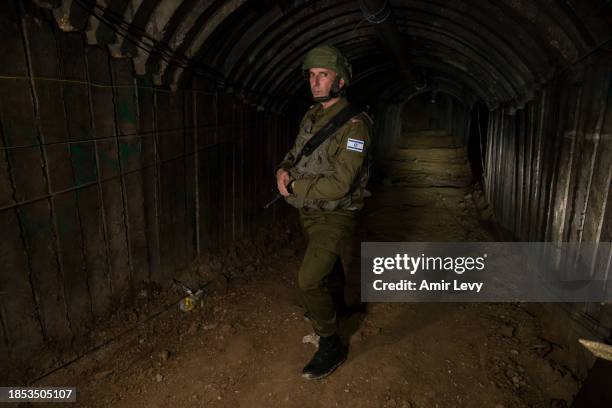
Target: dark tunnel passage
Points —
{"points": [[138, 141]]}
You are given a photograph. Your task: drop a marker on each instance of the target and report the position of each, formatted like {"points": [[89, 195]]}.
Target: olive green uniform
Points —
{"points": [[328, 192]]}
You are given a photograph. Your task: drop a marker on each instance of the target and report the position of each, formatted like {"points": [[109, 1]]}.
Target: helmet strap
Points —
{"points": [[334, 92]]}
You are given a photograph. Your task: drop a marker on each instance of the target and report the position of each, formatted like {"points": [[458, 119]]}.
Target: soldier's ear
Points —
{"points": [[341, 83]]}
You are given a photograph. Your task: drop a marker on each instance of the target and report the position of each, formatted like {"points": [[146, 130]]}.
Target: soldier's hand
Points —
{"points": [[282, 179]]}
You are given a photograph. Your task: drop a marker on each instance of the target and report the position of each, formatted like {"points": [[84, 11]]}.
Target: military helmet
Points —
{"points": [[327, 56]]}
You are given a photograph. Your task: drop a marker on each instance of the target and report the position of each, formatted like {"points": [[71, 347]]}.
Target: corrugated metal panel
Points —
{"points": [[549, 169]]}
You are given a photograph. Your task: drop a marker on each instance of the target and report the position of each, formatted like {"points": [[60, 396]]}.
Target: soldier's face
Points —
{"points": [[321, 81]]}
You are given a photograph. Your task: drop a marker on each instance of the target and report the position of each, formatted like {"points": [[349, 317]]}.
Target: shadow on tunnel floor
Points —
{"points": [[596, 390]]}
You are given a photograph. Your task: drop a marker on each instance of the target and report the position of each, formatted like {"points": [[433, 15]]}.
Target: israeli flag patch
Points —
{"points": [[354, 145]]}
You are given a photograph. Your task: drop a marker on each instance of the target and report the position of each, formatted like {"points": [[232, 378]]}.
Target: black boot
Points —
{"points": [[342, 310], [329, 356]]}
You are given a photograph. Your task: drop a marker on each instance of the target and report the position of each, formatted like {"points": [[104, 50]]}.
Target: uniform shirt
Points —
{"points": [[334, 175]]}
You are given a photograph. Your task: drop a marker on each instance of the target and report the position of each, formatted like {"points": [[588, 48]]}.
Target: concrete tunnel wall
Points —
{"points": [[124, 121]]}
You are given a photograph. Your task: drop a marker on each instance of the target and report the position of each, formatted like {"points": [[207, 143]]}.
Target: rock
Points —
{"points": [[226, 328], [516, 379], [164, 355], [311, 338], [210, 326], [249, 269], [515, 352], [158, 377]]}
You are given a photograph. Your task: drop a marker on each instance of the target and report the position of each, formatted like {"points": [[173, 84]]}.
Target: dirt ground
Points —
{"points": [[244, 347]]}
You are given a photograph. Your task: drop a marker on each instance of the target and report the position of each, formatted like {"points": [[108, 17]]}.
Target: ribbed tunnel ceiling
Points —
{"points": [[500, 51]]}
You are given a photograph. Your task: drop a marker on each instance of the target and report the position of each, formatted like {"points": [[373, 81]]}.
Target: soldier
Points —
{"points": [[327, 187]]}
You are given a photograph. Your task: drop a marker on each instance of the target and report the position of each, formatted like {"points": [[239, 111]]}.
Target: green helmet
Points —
{"points": [[327, 56]]}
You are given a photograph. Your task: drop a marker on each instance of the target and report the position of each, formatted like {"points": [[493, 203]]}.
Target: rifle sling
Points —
{"points": [[327, 130]]}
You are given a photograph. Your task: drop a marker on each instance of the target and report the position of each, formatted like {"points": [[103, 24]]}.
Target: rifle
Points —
{"points": [[275, 199]]}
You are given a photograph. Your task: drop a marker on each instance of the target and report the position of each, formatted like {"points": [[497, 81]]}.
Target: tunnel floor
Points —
{"points": [[245, 346]]}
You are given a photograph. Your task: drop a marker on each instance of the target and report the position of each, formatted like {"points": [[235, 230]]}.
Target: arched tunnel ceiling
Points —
{"points": [[497, 50]]}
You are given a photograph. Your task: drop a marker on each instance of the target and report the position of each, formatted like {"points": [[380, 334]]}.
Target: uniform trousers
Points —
{"points": [[321, 277]]}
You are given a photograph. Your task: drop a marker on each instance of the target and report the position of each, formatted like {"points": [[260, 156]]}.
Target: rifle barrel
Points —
{"points": [[275, 199]]}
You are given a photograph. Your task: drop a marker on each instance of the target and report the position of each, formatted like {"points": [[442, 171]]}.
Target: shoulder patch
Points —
{"points": [[355, 145]]}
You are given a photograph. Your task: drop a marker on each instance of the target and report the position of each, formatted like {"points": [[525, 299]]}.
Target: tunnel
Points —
{"points": [[138, 142]]}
